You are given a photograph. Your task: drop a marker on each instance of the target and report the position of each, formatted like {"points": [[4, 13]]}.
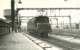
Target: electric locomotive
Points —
{"points": [[39, 25]]}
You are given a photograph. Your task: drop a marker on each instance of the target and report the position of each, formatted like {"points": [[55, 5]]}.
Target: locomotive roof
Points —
{"points": [[42, 16]]}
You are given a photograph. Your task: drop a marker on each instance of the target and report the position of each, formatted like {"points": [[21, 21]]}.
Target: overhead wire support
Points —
{"points": [[45, 8]]}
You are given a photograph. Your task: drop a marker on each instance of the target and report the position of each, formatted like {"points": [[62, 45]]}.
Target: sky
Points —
{"points": [[5, 4]]}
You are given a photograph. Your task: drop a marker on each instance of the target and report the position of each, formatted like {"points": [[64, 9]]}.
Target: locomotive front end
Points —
{"points": [[43, 26]]}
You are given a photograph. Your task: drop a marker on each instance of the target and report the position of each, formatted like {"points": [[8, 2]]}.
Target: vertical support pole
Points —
{"points": [[18, 20], [13, 14], [57, 22], [70, 23]]}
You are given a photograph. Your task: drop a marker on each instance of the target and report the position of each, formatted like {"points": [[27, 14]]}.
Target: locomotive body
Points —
{"points": [[39, 25]]}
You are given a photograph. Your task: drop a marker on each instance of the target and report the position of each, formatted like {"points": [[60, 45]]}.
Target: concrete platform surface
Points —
{"points": [[17, 41]]}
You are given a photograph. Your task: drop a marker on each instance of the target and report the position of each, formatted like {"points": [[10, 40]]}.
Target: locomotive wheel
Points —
{"points": [[44, 34]]}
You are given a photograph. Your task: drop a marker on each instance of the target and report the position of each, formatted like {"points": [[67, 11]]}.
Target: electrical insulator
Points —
{"points": [[20, 2], [65, 0]]}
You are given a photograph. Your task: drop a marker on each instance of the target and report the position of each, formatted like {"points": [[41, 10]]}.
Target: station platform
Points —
{"points": [[17, 41]]}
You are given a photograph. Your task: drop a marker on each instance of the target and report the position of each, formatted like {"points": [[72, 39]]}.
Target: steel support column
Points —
{"points": [[13, 14]]}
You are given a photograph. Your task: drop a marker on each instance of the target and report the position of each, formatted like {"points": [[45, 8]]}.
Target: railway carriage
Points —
{"points": [[39, 26], [4, 27]]}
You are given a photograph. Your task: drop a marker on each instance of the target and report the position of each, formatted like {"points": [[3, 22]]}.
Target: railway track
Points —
{"points": [[54, 41]]}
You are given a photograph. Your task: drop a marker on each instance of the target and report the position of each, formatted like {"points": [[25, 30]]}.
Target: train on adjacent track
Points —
{"points": [[4, 27], [39, 26]]}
